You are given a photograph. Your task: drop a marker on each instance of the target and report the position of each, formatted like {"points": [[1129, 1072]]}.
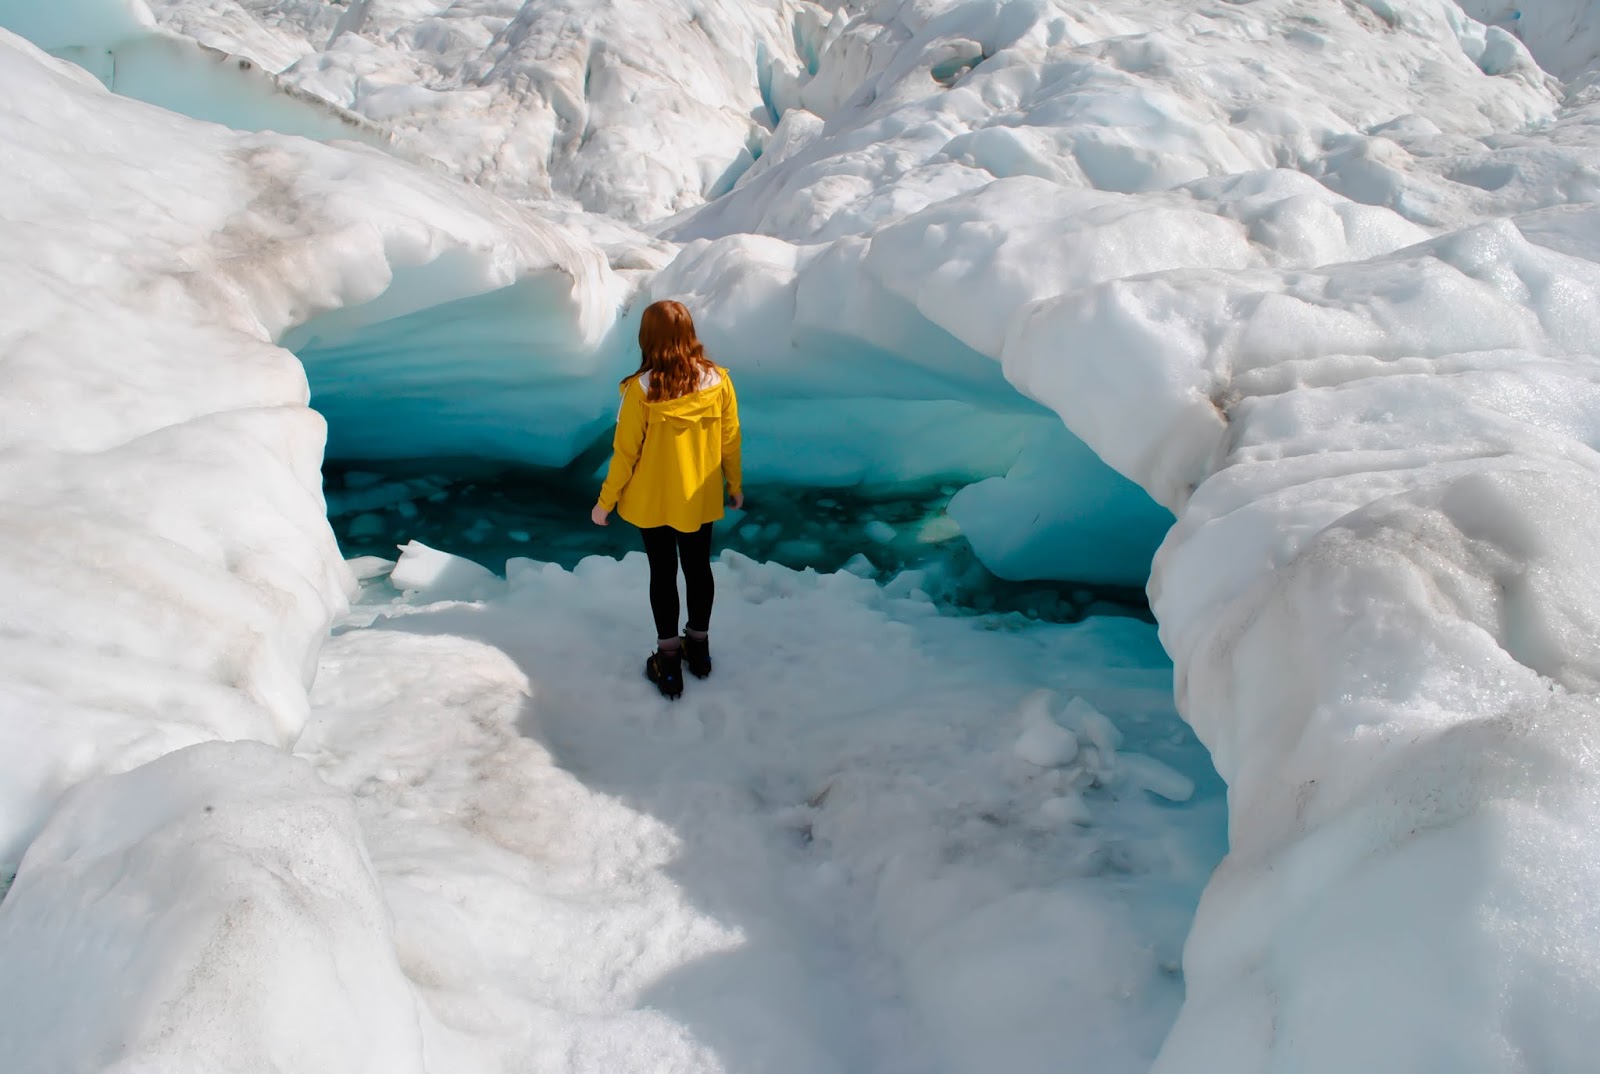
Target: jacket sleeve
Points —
{"points": [[732, 462], [625, 445]]}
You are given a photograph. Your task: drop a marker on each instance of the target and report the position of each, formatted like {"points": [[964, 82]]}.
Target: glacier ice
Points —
{"points": [[208, 264], [1055, 514], [216, 905], [537, 100], [170, 573], [123, 45], [1320, 281], [1563, 36]]}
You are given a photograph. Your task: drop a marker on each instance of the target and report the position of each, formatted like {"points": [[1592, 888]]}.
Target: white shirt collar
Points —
{"points": [[709, 378]]}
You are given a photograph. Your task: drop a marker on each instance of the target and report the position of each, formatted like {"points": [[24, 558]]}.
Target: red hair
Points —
{"points": [[670, 351]]}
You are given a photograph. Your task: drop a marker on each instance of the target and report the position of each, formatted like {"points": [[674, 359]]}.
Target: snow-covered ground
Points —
{"points": [[1320, 281], [877, 839]]}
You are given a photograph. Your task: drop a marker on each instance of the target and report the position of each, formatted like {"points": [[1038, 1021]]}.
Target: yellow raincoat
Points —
{"points": [[669, 459]]}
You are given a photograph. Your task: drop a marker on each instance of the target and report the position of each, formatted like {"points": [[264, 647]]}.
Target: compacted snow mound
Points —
{"points": [[170, 574], [927, 102], [140, 298], [211, 910], [1381, 602]]}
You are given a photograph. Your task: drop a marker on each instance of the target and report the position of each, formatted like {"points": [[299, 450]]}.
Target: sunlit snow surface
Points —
{"points": [[1320, 279], [878, 838]]}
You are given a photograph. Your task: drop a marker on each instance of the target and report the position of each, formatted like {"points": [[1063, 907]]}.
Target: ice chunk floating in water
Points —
{"points": [[490, 513]]}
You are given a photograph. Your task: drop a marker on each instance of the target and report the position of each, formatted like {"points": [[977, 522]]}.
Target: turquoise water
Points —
{"points": [[493, 513]]}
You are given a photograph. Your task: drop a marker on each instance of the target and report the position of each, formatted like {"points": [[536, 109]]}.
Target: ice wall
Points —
{"points": [[1381, 609], [123, 452], [493, 375], [170, 574], [213, 909]]}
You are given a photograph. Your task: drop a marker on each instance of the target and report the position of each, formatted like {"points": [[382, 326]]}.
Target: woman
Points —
{"points": [[677, 440]]}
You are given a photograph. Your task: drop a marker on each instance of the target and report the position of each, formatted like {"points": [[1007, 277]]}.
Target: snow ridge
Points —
{"points": [[171, 576]]}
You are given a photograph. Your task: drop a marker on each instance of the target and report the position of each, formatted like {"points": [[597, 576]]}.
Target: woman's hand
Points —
{"points": [[600, 516], [738, 501]]}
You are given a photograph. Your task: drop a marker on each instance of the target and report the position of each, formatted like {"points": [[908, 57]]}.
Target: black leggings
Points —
{"points": [[667, 548]]}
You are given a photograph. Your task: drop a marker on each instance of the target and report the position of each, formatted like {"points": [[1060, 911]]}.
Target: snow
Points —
{"points": [[1287, 307], [147, 253], [1043, 742], [212, 907], [825, 857], [1083, 521], [132, 475], [292, 931], [427, 572], [123, 45], [536, 100], [1562, 36]]}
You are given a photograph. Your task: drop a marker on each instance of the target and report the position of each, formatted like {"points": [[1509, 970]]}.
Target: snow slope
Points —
{"points": [[1322, 280], [1381, 607], [134, 475], [536, 100], [171, 576]]}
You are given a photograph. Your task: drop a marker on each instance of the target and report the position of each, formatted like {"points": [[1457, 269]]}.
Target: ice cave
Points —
{"points": [[1162, 634]]}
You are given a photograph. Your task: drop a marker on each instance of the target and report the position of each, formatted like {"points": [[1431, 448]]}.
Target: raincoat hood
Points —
{"points": [[701, 404], [672, 460]]}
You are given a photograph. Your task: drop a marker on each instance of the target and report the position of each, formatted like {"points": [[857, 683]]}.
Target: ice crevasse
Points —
{"points": [[1349, 345]]}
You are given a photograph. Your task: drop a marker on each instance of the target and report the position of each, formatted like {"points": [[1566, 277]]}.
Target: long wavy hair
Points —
{"points": [[670, 351]]}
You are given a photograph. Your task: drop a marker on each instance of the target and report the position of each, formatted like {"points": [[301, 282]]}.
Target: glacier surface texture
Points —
{"points": [[1287, 310]]}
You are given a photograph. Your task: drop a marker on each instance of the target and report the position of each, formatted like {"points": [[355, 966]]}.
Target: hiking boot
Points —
{"points": [[666, 671], [697, 654]]}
